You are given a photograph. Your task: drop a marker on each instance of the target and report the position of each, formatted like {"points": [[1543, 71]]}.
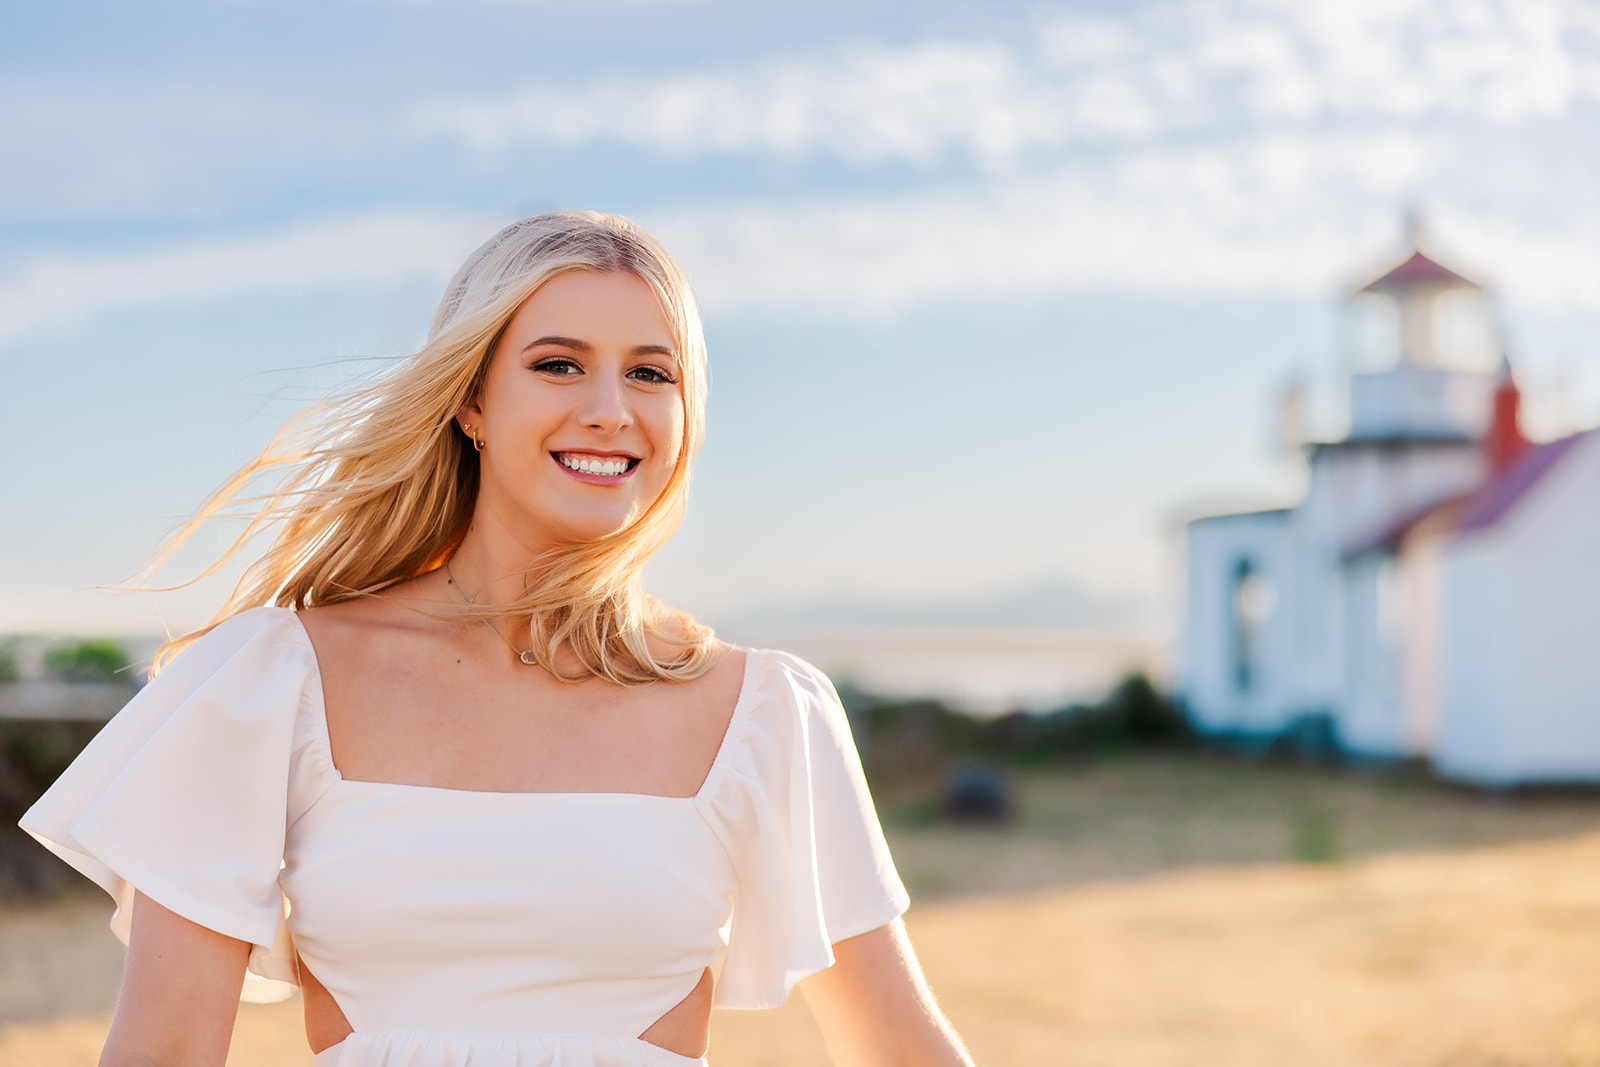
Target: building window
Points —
{"points": [[1250, 603]]}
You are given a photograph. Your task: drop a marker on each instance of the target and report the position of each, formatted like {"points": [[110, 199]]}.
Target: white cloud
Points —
{"points": [[373, 249], [1277, 215], [1182, 67], [1033, 239], [1549, 269], [1503, 60], [1281, 216], [865, 105]]}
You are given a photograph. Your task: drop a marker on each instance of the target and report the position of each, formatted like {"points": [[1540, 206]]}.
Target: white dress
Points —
{"points": [[475, 929]]}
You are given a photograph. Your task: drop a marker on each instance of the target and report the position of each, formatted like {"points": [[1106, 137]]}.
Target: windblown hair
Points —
{"points": [[377, 486]]}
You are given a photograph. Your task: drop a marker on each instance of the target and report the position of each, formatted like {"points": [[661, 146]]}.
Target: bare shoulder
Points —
{"points": [[388, 669], [726, 676], [711, 698], [387, 615]]}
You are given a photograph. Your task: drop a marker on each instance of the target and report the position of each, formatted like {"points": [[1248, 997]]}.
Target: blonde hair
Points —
{"points": [[377, 486]]}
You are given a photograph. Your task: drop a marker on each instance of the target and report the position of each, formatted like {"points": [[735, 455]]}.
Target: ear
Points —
{"points": [[469, 414]]}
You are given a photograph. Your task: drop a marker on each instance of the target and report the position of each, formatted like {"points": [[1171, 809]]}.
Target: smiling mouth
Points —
{"points": [[604, 466]]}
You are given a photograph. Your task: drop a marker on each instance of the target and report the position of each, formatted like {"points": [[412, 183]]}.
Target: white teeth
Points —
{"points": [[591, 465]]}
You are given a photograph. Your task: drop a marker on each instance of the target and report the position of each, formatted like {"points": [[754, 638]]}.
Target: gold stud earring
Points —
{"points": [[475, 442]]}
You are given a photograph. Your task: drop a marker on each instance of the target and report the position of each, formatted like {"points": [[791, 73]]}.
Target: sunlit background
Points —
{"points": [[999, 298], [995, 293]]}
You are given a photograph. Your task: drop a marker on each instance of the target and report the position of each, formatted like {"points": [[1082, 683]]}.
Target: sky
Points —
{"points": [[996, 294]]}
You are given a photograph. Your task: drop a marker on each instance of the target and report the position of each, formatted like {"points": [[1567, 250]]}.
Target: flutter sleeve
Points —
{"points": [[792, 807], [187, 793]]}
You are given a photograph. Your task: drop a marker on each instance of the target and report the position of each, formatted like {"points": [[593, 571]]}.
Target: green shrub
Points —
{"points": [[40, 749], [1144, 715], [913, 739], [1313, 836], [88, 661]]}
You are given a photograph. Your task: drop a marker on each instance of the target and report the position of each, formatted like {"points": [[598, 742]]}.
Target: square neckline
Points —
{"points": [[320, 718]]}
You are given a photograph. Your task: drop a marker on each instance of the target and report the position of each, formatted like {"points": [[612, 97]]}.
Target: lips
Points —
{"points": [[613, 465]]}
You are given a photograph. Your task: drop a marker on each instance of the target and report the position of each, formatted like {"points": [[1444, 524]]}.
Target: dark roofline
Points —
{"points": [[1388, 542], [1273, 513], [1482, 507], [1417, 271], [1395, 441], [1502, 495]]}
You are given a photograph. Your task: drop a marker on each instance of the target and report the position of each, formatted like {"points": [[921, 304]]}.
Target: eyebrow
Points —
{"points": [[584, 346]]}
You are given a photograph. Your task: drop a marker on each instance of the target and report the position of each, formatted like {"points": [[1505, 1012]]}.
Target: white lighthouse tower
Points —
{"points": [[1441, 350], [1265, 641]]}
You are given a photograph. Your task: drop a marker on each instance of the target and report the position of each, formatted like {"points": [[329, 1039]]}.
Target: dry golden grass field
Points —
{"points": [[1138, 912]]}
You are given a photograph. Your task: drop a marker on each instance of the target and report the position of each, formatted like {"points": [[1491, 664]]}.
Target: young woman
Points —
{"points": [[442, 763]]}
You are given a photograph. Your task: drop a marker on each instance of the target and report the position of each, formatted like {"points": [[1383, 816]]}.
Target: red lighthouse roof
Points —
{"points": [[1418, 272]]}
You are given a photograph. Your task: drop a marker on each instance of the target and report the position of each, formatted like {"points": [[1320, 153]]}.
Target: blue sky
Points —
{"points": [[995, 292]]}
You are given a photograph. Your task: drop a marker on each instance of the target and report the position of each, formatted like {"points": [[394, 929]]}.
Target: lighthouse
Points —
{"points": [[1271, 594], [1436, 593], [1429, 368]]}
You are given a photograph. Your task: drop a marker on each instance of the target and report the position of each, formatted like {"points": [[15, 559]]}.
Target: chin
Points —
{"points": [[589, 532]]}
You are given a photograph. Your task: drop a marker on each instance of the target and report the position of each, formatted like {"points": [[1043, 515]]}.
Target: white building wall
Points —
{"points": [[1553, 547], [1521, 673], [1357, 615], [1421, 605], [1208, 676], [1474, 736], [1368, 718], [1316, 681], [1395, 613], [1359, 493]]}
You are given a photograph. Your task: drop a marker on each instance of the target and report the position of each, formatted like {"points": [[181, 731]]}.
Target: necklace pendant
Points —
{"points": [[528, 658]]}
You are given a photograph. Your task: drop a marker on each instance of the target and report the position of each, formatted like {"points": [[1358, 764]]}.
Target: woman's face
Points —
{"points": [[581, 412]]}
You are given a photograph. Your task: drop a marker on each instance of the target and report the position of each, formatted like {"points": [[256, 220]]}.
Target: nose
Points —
{"points": [[606, 407]]}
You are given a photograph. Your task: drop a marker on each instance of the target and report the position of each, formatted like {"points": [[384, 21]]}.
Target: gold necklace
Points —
{"points": [[526, 657]]}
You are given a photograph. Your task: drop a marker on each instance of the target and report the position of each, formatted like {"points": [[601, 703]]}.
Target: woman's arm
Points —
{"points": [[180, 993], [875, 1008]]}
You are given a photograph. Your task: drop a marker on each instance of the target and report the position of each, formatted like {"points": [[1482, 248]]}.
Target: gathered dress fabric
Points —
{"points": [[457, 928]]}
